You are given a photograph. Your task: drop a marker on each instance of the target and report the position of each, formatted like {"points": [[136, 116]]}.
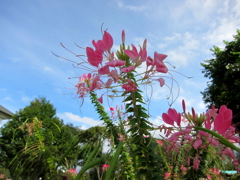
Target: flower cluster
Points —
{"points": [[218, 121], [105, 167], [114, 67], [71, 173]]}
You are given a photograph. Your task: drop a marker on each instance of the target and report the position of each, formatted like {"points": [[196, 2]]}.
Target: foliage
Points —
{"points": [[224, 72], [36, 138]]}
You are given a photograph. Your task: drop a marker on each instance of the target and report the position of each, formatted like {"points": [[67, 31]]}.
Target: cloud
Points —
{"points": [[47, 69], [86, 121], [7, 99], [131, 7], [25, 99], [222, 29], [171, 38], [178, 58]]}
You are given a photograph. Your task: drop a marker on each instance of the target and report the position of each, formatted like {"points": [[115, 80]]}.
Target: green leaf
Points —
{"points": [[221, 138]]}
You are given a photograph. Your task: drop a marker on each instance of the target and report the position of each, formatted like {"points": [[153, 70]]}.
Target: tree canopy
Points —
{"points": [[34, 140], [224, 74]]}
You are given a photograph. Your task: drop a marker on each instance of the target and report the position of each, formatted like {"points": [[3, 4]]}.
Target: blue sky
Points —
{"points": [[30, 30]]}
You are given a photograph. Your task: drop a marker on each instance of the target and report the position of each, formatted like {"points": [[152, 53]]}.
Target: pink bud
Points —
{"points": [[123, 36]]}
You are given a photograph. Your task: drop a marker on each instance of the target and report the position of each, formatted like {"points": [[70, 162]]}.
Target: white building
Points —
{"points": [[4, 114]]}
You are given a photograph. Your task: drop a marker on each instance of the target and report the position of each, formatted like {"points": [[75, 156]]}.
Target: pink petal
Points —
{"points": [[94, 57], [207, 122], [131, 54], [99, 45], [197, 143], [104, 70], [116, 63], [108, 40], [114, 75], [127, 69], [196, 163], [160, 67], [109, 82], [161, 81], [159, 57], [143, 54], [167, 119], [100, 100]]}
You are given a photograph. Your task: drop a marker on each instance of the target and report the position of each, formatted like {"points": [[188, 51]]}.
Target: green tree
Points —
{"points": [[224, 74], [34, 140]]}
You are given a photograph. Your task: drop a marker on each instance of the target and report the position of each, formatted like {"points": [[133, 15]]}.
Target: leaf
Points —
{"points": [[221, 138], [114, 161]]}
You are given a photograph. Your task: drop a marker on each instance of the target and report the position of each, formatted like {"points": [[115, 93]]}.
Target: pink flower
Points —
{"points": [[111, 109], [212, 112], [95, 83], [129, 86], [222, 122], [133, 54], [228, 152], [171, 117], [160, 66], [183, 168], [121, 137], [167, 175], [196, 163], [2, 176], [159, 142], [105, 167], [73, 171]]}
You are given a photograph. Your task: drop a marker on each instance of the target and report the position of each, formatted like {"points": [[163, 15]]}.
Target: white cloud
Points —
{"points": [[86, 121], [174, 37], [131, 7], [178, 58], [25, 99], [207, 7], [223, 29], [8, 98], [47, 69]]}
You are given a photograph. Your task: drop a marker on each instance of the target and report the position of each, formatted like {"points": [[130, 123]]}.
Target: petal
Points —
{"points": [[159, 57], [127, 69], [108, 40], [116, 63], [104, 70], [197, 143], [100, 100], [131, 54], [161, 81], [167, 119], [109, 82]]}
